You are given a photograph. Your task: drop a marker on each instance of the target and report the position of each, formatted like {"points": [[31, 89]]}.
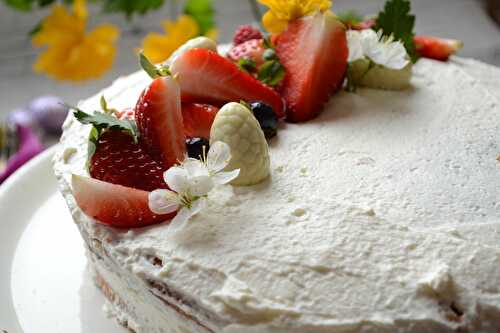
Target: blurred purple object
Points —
{"points": [[20, 117], [29, 147], [49, 113]]}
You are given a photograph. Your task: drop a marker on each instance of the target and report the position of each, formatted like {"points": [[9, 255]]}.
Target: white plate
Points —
{"points": [[44, 283]]}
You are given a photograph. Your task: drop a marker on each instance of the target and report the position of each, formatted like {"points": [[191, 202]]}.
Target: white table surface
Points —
{"points": [[462, 19]]}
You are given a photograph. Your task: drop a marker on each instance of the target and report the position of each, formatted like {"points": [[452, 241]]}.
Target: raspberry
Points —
{"points": [[245, 33]]}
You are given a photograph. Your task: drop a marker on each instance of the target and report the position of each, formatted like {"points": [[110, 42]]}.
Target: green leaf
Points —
{"points": [[23, 5], [102, 121], [131, 7], [92, 144], [150, 68], [35, 29], [271, 73], [247, 65], [350, 17], [397, 21], [203, 12]]}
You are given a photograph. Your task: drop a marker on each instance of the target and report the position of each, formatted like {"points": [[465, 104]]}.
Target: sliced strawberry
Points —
{"points": [[159, 120], [206, 77], [119, 160], [114, 205], [314, 52], [252, 50], [435, 47], [198, 119]]}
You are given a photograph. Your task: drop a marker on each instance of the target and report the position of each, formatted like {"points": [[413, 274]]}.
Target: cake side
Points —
{"points": [[382, 215]]}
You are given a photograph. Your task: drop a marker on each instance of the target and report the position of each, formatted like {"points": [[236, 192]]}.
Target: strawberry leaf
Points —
{"points": [[102, 121], [396, 20], [350, 17], [271, 73], [247, 65], [150, 68]]}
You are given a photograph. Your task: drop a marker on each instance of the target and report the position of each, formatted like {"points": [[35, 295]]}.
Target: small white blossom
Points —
{"points": [[190, 184], [381, 50]]}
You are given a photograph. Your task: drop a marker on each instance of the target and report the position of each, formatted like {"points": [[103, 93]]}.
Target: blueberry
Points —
{"points": [[195, 147], [49, 112], [266, 118]]}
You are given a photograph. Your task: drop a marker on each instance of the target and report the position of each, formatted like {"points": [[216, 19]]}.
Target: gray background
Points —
{"points": [[463, 19]]}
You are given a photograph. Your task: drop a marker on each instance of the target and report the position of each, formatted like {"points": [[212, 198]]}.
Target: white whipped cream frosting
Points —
{"points": [[380, 215]]}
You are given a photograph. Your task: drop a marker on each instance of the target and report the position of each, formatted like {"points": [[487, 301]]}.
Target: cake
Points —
{"points": [[381, 214]]}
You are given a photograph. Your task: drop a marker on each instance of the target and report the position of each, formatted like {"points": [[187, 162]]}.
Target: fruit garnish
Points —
{"points": [[206, 77], [266, 118], [159, 120], [251, 50], [314, 52], [115, 205], [119, 160], [257, 56], [236, 126], [395, 20], [245, 33], [195, 43], [198, 119], [436, 48], [101, 121], [196, 147]]}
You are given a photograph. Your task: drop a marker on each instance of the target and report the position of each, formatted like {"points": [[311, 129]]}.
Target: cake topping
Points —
{"points": [[115, 205], [159, 120], [436, 48], [266, 118], [190, 182], [245, 33], [237, 127], [314, 52], [198, 119], [207, 77]]}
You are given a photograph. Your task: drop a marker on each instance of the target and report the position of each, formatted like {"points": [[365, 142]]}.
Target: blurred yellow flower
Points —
{"points": [[158, 47], [280, 12], [72, 53]]}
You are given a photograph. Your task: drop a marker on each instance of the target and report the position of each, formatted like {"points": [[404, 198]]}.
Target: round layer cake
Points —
{"points": [[380, 215]]}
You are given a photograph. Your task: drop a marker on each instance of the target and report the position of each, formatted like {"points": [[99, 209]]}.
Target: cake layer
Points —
{"points": [[381, 215]]}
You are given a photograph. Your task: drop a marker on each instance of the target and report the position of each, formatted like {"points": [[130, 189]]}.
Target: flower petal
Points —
{"points": [[224, 177], [180, 219], [218, 157], [354, 45], [273, 24], [201, 185], [195, 168], [163, 201], [177, 179]]}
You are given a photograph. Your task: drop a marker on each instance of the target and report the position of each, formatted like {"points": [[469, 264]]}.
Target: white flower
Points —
{"points": [[190, 184], [381, 50]]}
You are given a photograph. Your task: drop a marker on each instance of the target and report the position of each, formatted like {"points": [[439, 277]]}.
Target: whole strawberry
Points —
{"points": [[245, 33]]}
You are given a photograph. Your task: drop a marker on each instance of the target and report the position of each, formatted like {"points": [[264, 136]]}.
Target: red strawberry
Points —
{"points": [[127, 113], [114, 205], [159, 120], [435, 47], [198, 119], [119, 160], [252, 49], [206, 77], [244, 33], [314, 52]]}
